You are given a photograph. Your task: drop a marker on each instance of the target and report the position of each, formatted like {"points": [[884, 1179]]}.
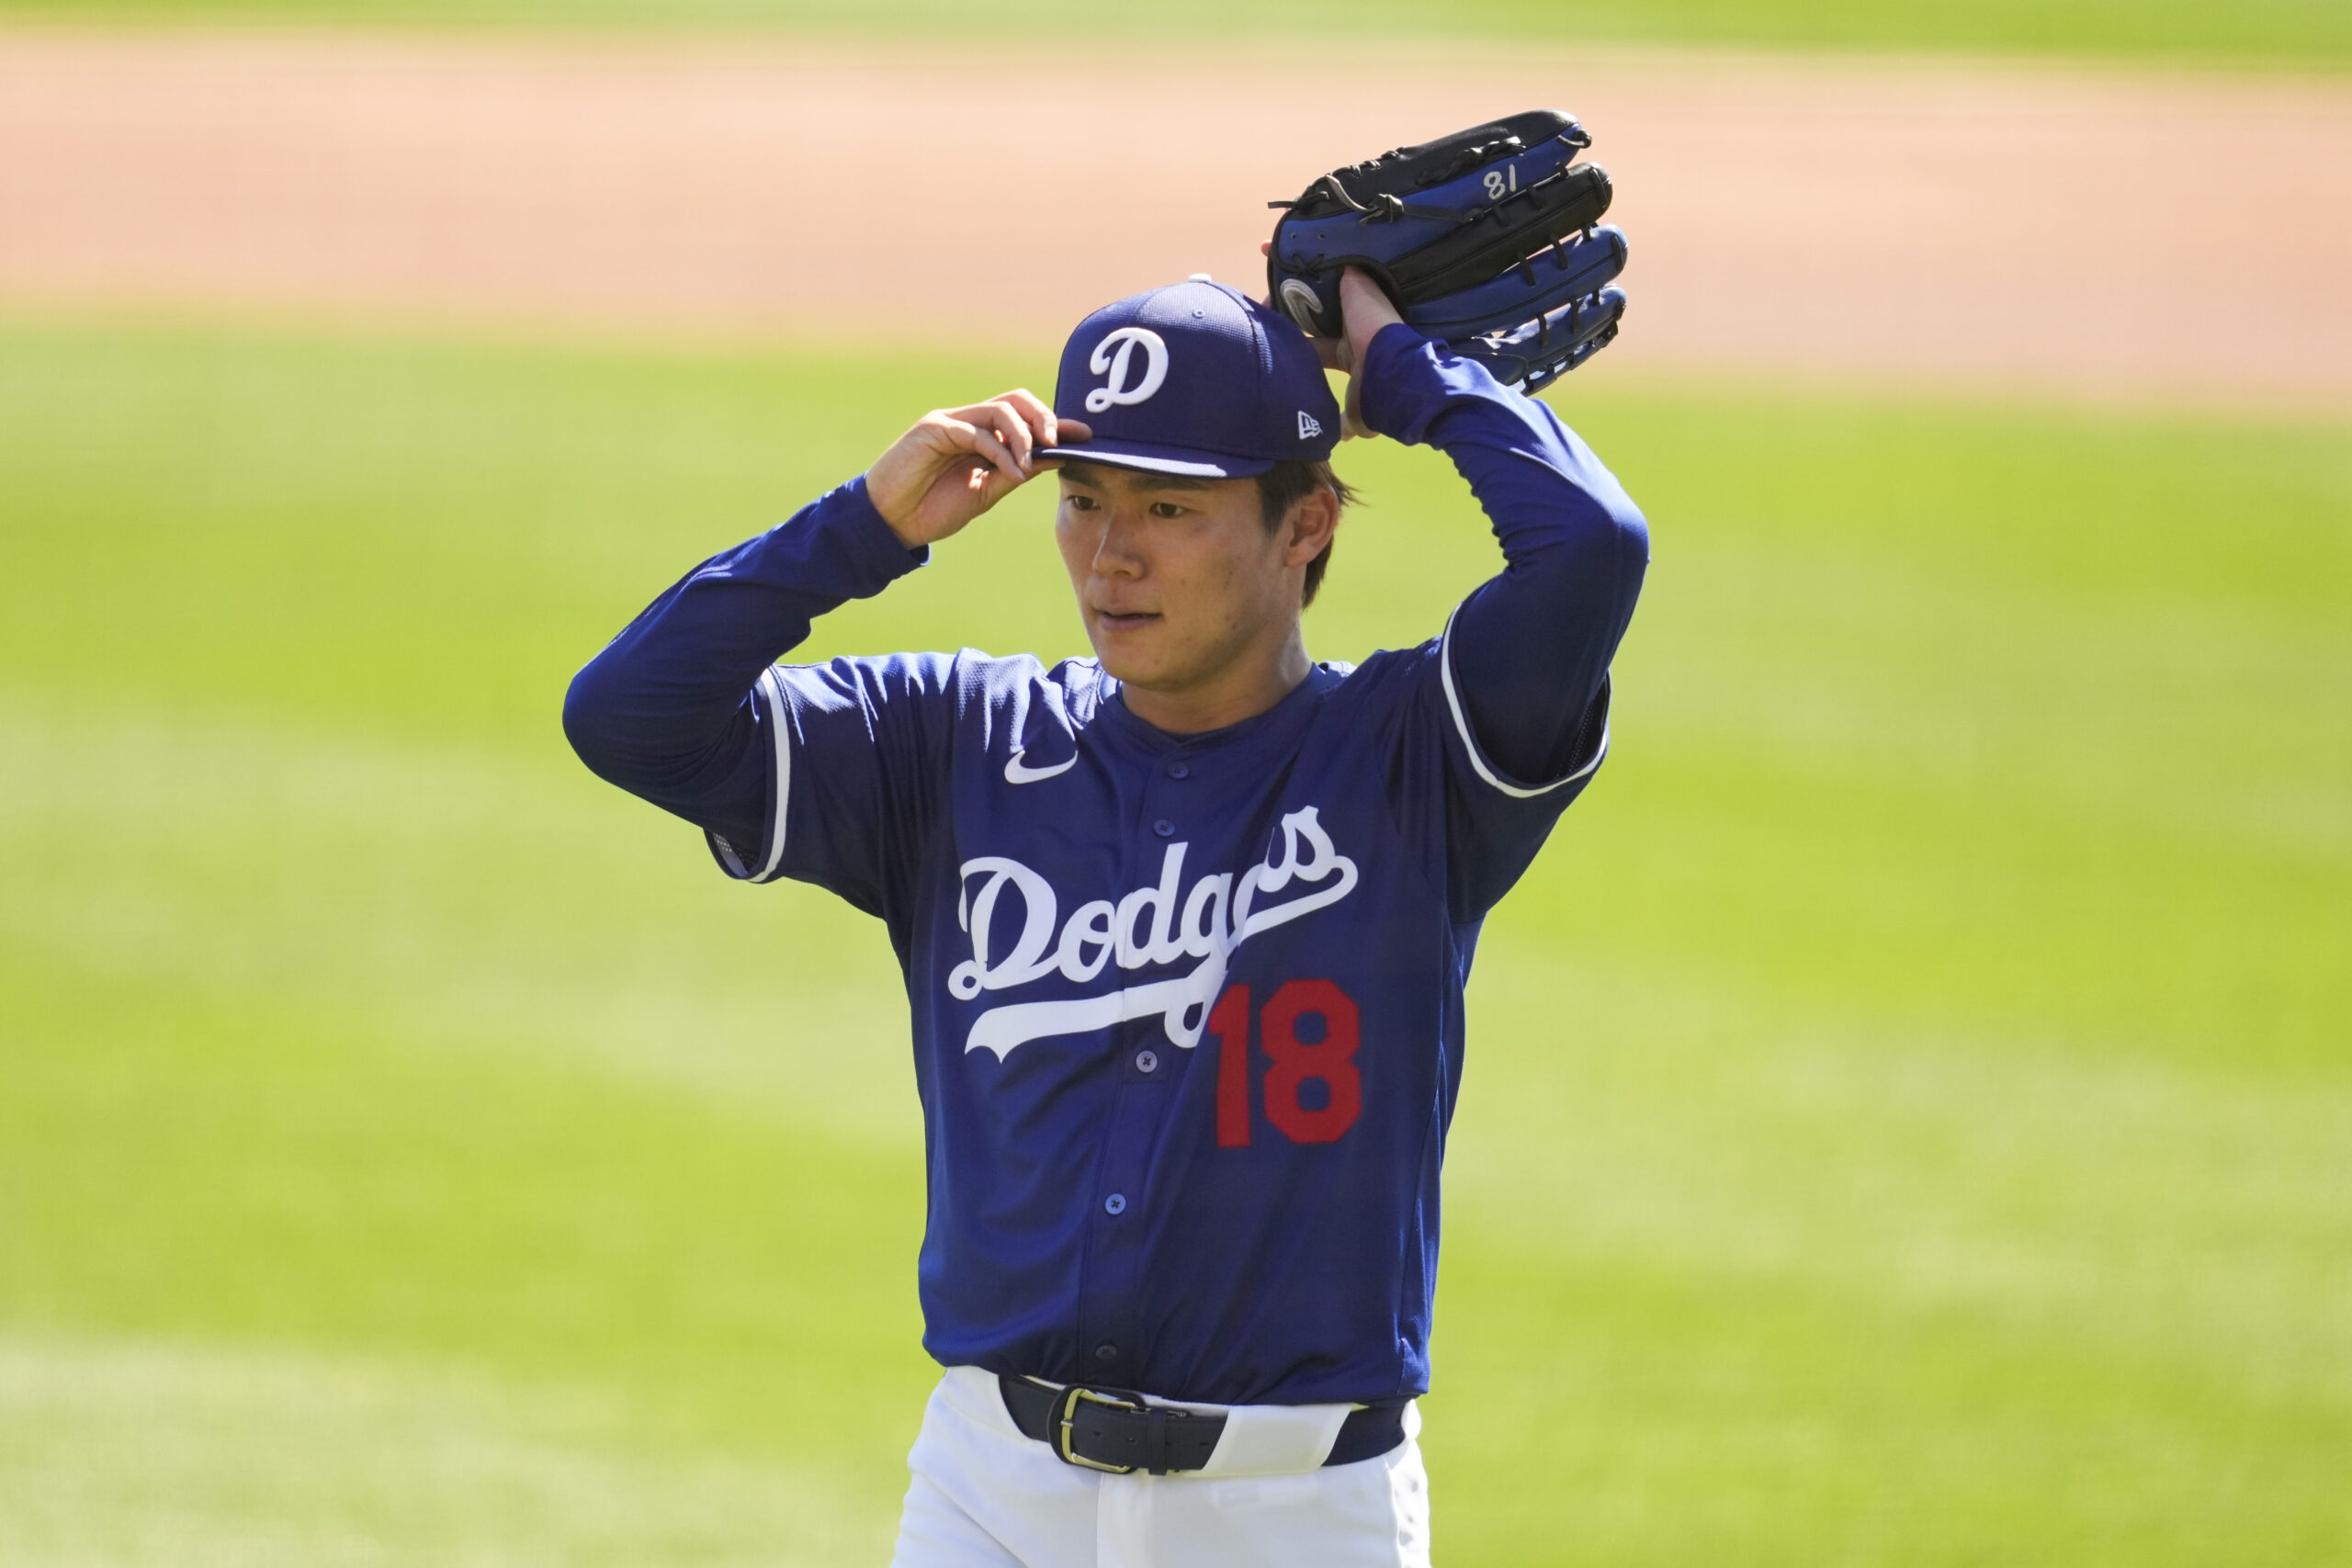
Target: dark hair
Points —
{"points": [[1288, 482]]}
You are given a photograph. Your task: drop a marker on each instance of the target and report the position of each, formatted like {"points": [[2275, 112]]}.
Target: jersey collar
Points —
{"points": [[1281, 721]]}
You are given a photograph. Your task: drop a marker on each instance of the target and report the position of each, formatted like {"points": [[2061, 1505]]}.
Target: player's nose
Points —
{"points": [[1120, 552]]}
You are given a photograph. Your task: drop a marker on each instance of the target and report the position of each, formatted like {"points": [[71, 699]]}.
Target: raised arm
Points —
{"points": [[1527, 653], [666, 710]]}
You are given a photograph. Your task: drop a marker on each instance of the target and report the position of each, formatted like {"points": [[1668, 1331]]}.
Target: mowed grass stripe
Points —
{"points": [[142, 1451], [2305, 31], [1908, 1113], [471, 903], [264, 1171]]}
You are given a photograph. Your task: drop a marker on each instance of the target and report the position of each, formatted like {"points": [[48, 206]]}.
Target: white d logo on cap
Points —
{"points": [[1116, 390]]}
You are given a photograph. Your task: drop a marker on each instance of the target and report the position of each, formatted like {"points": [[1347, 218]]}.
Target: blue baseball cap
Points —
{"points": [[1196, 378]]}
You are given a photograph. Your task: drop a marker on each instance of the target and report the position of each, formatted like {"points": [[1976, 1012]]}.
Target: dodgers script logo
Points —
{"points": [[1125, 341], [1216, 916]]}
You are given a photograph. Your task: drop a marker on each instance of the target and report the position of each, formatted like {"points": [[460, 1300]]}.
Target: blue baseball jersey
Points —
{"points": [[1187, 1010]]}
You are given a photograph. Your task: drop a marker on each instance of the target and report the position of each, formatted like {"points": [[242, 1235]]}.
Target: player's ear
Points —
{"points": [[1308, 525]]}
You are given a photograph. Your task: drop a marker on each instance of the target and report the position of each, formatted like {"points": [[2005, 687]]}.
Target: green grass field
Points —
{"points": [[1909, 1117], [2191, 32]]}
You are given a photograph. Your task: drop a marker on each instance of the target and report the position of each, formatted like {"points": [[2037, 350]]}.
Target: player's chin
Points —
{"points": [[1133, 648]]}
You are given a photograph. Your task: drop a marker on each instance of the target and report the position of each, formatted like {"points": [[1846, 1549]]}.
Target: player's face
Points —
{"points": [[1179, 579]]}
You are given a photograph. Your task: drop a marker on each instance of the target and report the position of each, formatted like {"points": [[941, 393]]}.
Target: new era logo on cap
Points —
{"points": [[1195, 379]]}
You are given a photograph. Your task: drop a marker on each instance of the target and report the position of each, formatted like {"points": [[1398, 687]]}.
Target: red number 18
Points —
{"points": [[1328, 1061]]}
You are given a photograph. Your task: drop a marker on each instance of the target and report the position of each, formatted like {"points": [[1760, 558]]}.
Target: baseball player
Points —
{"points": [[1185, 925]]}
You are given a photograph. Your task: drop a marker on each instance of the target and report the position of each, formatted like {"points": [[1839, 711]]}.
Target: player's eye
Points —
{"points": [[1166, 509], [1080, 502]]}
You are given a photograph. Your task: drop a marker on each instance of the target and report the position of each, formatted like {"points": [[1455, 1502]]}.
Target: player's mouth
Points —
{"points": [[1125, 621]]}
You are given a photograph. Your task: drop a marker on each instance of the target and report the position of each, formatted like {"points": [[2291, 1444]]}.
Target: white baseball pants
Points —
{"points": [[984, 1496]]}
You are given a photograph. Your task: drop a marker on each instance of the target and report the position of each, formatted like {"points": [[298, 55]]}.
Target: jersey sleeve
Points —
{"points": [[814, 770], [1495, 820], [857, 754], [1514, 696]]}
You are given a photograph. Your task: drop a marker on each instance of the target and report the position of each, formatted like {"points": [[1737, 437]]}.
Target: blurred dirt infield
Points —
{"points": [[2169, 237]]}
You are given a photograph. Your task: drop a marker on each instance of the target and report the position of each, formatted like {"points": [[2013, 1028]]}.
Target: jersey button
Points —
{"points": [[1117, 1203], [1164, 827], [1146, 1061], [1178, 770]]}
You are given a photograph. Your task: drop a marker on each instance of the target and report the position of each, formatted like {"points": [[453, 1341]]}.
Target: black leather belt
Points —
{"points": [[1113, 1430]]}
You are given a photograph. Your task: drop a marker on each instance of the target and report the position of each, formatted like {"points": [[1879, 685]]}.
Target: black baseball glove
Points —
{"points": [[1485, 238]]}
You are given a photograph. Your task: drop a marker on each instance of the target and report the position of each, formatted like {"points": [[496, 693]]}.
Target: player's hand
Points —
{"points": [[956, 463], [1365, 309]]}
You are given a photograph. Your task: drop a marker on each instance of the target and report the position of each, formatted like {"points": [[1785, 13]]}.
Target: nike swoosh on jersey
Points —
{"points": [[1016, 771]]}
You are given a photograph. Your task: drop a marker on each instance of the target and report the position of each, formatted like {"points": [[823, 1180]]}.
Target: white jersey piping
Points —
{"points": [[773, 683], [1470, 741]]}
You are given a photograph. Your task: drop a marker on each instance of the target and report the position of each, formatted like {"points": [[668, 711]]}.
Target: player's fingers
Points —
{"points": [[1362, 298], [1034, 423], [989, 484], [969, 437], [1033, 413], [1016, 418], [1007, 423], [1066, 433]]}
